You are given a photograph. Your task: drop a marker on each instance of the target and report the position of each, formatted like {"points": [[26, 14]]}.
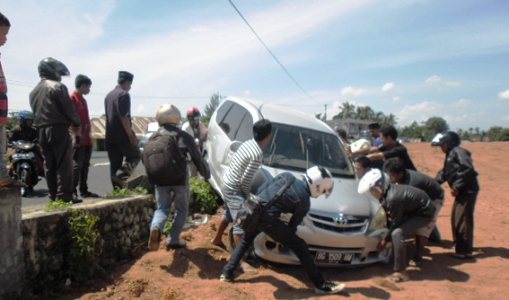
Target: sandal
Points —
{"points": [[397, 277]]}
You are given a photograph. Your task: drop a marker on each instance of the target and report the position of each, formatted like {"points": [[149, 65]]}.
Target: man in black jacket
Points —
{"points": [[395, 168], [168, 116], [55, 113], [295, 200], [460, 174], [408, 209]]}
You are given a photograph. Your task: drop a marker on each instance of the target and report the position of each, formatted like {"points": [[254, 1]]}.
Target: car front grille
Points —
{"points": [[339, 223]]}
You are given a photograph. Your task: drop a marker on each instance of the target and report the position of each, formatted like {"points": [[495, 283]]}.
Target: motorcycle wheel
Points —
{"points": [[25, 178]]}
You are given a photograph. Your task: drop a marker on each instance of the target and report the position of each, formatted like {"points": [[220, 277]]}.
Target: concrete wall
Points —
{"points": [[12, 271], [42, 240]]}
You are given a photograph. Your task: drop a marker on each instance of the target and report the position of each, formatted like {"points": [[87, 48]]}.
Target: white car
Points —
{"points": [[344, 229]]}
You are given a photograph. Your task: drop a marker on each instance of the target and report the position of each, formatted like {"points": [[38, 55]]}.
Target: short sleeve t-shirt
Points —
{"points": [[398, 151]]}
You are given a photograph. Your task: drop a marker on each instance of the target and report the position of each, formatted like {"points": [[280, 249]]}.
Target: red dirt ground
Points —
{"points": [[193, 273]]}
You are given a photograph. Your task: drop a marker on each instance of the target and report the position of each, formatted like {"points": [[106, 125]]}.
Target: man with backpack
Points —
{"points": [[288, 194], [164, 158]]}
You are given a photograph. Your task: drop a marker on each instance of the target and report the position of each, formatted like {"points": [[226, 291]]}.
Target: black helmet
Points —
{"points": [[450, 137], [51, 68]]}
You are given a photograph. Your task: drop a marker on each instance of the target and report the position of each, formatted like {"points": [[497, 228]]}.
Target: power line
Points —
{"points": [[280, 64], [26, 84]]}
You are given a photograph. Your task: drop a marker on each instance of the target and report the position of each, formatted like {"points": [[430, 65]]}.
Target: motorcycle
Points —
{"points": [[26, 166]]}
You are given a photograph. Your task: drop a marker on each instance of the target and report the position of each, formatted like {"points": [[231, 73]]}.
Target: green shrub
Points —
{"points": [[205, 198], [125, 191], [82, 259]]}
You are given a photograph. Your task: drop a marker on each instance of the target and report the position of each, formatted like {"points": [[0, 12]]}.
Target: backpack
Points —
{"points": [[164, 163]]}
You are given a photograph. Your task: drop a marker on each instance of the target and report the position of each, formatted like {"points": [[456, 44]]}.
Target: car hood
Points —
{"points": [[344, 198]]}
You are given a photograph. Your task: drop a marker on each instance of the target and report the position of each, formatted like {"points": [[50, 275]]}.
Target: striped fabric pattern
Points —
{"points": [[243, 166], [3, 96]]}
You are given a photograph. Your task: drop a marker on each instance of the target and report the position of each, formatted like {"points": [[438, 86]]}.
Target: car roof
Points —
{"points": [[283, 114]]}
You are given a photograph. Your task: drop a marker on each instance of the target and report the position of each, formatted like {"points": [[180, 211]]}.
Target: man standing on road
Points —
{"points": [[82, 144], [295, 200], [238, 178], [121, 142], [374, 129], [175, 189], [460, 174], [55, 112]]}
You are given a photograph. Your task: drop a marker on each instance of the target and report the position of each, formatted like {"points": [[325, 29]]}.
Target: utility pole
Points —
{"points": [[325, 114]]}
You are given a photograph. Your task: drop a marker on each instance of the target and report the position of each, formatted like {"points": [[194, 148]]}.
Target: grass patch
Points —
{"points": [[125, 191], [57, 205]]}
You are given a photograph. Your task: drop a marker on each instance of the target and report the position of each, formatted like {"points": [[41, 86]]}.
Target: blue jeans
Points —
{"points": [[234, 200], [165, 195], [283, 234]]}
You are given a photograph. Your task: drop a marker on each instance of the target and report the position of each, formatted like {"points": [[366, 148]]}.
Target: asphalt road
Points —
{"points": [[98, 182]]}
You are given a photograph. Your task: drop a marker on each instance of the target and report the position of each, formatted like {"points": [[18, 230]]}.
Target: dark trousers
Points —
{"points": [[462, 219], [56, 148], [283, 234], [81, 163], [116, 154]]}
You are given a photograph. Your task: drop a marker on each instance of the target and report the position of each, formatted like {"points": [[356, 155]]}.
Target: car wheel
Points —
{"points": [[24, 177]]}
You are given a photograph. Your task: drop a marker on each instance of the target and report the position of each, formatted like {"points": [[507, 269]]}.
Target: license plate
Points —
{"points": [[333, 258]]}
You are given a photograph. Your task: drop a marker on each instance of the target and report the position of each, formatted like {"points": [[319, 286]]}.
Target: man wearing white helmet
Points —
{"points": [[408, 209], [295, 200], [172, 186]]}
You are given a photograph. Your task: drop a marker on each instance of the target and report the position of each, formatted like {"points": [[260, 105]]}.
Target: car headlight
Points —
{"points": [[379, 221]]}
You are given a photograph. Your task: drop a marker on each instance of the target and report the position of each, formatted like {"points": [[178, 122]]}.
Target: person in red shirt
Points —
{"points": [[82, 145], [5, 179]]}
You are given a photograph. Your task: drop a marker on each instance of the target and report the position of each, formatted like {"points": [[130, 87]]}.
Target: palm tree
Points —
{"points": [[365, 113], [347, 111], [390, 119]]}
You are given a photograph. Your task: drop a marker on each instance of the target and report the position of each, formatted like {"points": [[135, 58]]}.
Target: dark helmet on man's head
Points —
{"points": [[25, 115], [51, 68], [193, 114], [450, 137]]}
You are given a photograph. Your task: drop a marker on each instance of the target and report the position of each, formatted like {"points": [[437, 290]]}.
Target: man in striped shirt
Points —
{"points": [[238, 178]]}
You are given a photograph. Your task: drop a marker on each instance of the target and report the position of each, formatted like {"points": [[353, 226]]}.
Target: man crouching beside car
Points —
{"points": [[295, 200]]}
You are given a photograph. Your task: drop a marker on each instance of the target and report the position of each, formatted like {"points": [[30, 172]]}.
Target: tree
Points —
{"points": [[347, 111], [503, 136], [389, 119], [433, 126], [365, 113], [493, 133], [211, 107], [13, 120]]}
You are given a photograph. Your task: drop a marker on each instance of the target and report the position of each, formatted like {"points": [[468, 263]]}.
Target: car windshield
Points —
{"points": [[297, 148]]}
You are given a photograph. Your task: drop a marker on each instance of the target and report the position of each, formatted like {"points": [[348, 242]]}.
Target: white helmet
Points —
{"points": [[319, 181], [168, 113], [374, 179], [359, 144]]}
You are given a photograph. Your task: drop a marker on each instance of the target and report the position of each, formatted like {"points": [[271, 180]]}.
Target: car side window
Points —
{"points": [[245, 129], [232, 120]]}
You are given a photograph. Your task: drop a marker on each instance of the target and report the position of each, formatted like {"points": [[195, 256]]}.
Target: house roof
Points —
{"points": [[139, 126]]}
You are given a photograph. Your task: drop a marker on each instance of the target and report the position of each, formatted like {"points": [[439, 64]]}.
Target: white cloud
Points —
{"points": [[396, 99], [504, 95], [462, 103], [433, 79], [351, 91], [453, 83], [388, 86]]}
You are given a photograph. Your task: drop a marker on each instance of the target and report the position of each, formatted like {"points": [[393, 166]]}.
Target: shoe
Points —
{"points": [[155, 239], [118, 180], [226, 278], [90, 195], [75, 199], [462, 256], [179, 245], [330, 287]]}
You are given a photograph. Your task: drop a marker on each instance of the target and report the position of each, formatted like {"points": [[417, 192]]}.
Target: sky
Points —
{"points": [[415, 59]]}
